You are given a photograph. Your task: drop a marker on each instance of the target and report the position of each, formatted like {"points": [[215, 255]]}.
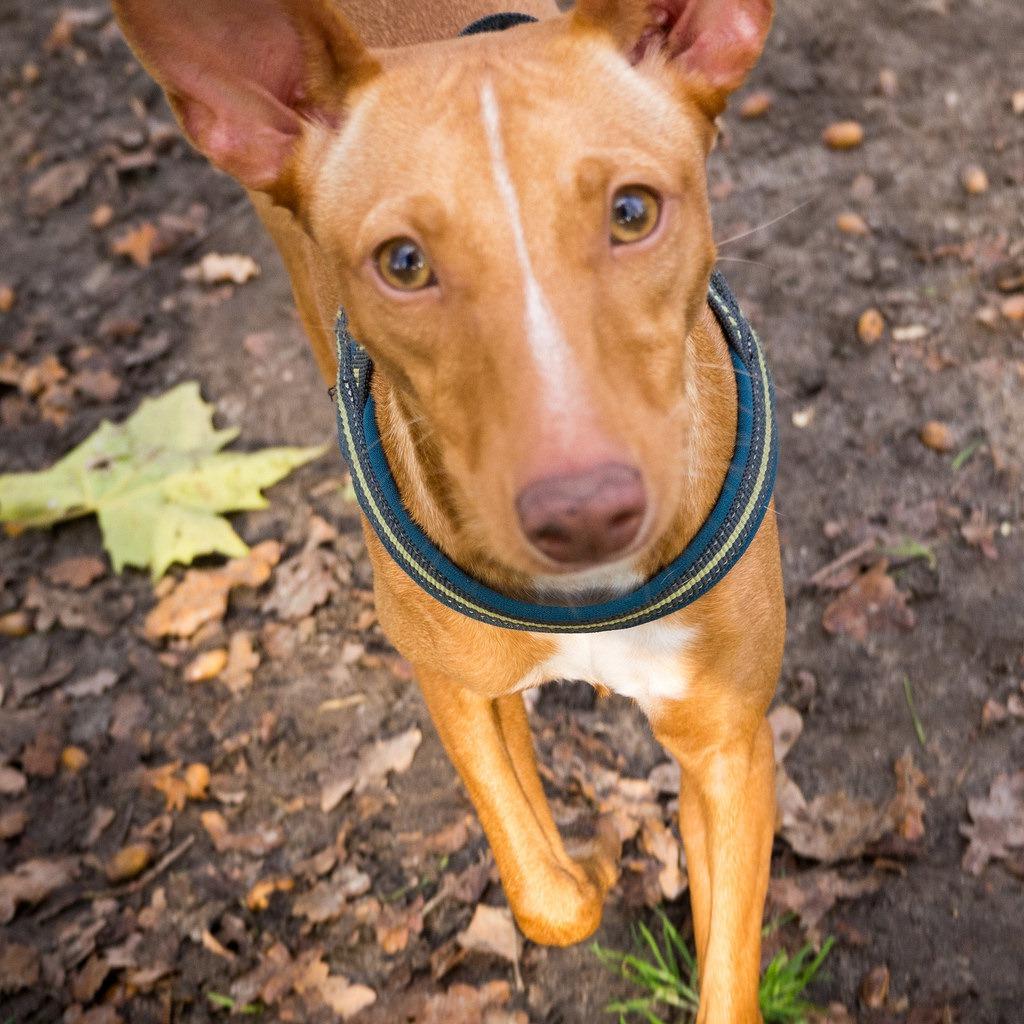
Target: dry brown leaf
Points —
{"points": [[19, 967], [32, 881], [41, 757], [874, 987], [843, 135], [215, 268], [336, 786], [756, 104], [139, 244], [57, 185], [1013, 308], [851, 223], [396, 924], [324, 902], [7, 300], [492, 930], [12, 782], [907, 807], [303, 583], [812, 894], [937, 436], [177, 786], [206, 666], [202, 595], [656, 839], [997, 822], [76, 573], [74, 759], [832, 827], [94, 684], [974, 180], [242, 661], [257, 843], [870, 326], [460, 1004], [382, 757], [258, 897], [871, 603], [12, 822], [981, 534], [129, 861], [786, 724]]}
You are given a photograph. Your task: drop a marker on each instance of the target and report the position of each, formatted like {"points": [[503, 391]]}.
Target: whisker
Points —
{"points": [[767, 224]]}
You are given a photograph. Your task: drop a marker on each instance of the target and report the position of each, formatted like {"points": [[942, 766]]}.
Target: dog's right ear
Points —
{"points": [[246, 77]]}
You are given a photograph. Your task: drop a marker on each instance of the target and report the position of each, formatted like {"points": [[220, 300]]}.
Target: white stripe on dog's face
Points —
{"points": [[551, 352]]}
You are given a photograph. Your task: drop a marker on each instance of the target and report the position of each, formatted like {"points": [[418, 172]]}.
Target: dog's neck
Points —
{"points": [[430, 497]]}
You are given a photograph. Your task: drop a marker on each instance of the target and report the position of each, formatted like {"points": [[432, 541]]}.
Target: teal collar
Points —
{"points": [[714, 550]]}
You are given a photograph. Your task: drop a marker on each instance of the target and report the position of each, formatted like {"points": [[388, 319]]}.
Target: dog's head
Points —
{"points": [[517, 223]]}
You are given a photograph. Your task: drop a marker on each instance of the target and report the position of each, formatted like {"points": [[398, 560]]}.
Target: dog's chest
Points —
{"points": [[646, 663]]}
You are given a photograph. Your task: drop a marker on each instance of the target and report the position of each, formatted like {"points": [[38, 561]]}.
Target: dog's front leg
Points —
{"points": [[727, 817], [556, 899]]}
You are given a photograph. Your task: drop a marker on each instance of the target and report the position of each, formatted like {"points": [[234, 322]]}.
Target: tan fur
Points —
{"points": [[401, 149]]}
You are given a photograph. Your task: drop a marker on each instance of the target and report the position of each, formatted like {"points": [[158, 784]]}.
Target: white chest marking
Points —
{"points": [[642, 662], [551, 352]]}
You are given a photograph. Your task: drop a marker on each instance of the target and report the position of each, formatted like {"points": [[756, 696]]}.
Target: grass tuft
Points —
{"points": [[667, 972]]}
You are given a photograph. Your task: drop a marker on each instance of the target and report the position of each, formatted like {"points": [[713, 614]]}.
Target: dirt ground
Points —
{"points": [[940, 264]]}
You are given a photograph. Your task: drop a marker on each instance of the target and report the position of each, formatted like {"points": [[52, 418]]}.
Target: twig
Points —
{"points": [[157, 869], [865, 546]]}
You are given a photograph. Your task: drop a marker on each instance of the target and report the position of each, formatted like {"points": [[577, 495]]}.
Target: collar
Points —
{"points": [[713, 551]]}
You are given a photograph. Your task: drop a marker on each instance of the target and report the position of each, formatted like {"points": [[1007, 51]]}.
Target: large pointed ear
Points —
{"points": [[712, 43], [245, 77]]}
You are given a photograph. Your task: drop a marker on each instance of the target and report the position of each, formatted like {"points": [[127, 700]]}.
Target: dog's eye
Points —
{"points": [[403, 265], [635, 213]]}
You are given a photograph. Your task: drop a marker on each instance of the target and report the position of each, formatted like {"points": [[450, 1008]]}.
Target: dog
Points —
{"points": [[516, 225]]}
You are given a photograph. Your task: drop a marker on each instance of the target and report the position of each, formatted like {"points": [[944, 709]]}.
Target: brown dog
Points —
{"points": [[517, 226]]}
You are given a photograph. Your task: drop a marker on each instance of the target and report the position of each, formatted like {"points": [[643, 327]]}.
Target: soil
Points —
{"points": [[853, 467]]}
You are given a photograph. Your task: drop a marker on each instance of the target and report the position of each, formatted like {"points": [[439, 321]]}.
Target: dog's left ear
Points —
{"points": [[713, 44]]}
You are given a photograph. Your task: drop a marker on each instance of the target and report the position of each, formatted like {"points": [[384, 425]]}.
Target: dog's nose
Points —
{"points": [[584, 518]]}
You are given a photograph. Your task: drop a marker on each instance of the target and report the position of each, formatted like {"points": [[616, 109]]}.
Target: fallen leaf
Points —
{"points": [[202, 594], [907, 807], [396, 924], [101, 385], [57, 186], [324, 902], [242, 661], [974, 180], [812, 894], [12, 782], [137, 243], [90, 611], [74, 759], [460, 1004], [157, 483], [937, 436], [871, 603], [843, 135], [41, 757], [101, 216], [492, 930], [336, 786], [981, 534], [385, 756], [12, 822], [870, 327], [303, 583], [206, 666], [786, 724], [257, 843], [258, 897], [657, 840], [997, 822], [32, 881], [851, 223], [7, 298], [215, 268], [1013, 308], [94, 684], [76, 573], [874, 987], [832, 827], [177, 786], [129, 861], [87, 981], [756, 104], [19, 967]]}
